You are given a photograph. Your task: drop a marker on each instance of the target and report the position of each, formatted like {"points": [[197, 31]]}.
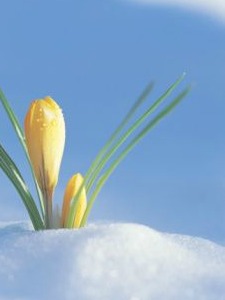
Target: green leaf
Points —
{"points": [[128, 148], [19, 131], [92, 169], [141, 99], [12, 172], [99, 167]]}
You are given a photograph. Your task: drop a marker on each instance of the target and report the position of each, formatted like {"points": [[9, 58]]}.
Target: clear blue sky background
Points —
{"points": [[94, 57]]}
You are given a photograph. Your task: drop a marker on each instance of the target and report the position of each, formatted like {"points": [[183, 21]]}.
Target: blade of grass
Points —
{"points": [[128, 148], [20, 135], [7, 162], [98, 165], [130, 131], [141, 99], [12, 172]]}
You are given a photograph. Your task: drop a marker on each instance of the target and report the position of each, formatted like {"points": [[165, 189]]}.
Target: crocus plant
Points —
{"points": [[43, 140]]}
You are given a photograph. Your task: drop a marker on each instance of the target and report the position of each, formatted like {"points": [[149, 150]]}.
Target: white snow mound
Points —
{"points": [[108, 262]]}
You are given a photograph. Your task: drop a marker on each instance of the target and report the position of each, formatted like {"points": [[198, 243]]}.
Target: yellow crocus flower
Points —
{"points": [[71, 190], [45, 139]]}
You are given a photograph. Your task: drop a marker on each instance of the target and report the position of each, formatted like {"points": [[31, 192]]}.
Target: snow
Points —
{"points": [[108, 261], [215, 8]]}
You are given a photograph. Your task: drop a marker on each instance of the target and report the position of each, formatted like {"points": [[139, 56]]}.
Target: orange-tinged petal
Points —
{"points": [[71, 190]]}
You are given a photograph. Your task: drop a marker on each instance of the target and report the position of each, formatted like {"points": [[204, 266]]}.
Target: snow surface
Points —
{"points": [[108, 261], [215, 8]]}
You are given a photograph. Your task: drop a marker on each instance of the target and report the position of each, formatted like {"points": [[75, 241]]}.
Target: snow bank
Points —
{"points": [[215, 8], [108, 261]]}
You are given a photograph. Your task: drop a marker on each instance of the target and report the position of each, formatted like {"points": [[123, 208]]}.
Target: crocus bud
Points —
{"points": [[45, 139], [71, 190]]}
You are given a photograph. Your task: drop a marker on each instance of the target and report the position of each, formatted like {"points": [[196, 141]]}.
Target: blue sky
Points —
{"points": [[94, 57]]}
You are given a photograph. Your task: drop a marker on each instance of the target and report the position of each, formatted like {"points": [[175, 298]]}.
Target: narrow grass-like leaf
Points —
{"points": [[106, 153], [19, 131], [13, 119], [130, 131], [128, 148], [141, 99], [12, 172]]}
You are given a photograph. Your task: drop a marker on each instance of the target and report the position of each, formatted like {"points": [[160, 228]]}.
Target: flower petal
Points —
{"points": [[71, 190]]}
